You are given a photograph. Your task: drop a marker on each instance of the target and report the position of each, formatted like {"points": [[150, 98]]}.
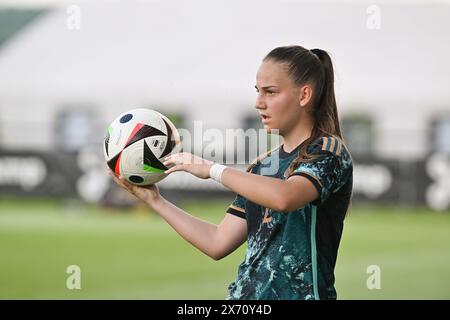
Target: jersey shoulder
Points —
{"points": [[328, 144]]}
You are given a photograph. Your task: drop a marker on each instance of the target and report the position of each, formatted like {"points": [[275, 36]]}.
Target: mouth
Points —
{"points": [[264, 118]]}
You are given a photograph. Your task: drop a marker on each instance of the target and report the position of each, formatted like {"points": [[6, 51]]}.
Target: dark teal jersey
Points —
{"points": [[292, 255]]}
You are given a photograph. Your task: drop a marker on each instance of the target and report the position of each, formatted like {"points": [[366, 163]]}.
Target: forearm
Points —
{"points": [[201, 234], [265, 191]]}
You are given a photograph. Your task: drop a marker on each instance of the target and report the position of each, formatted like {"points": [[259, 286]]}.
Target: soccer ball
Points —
{"points": [[137, 142]]}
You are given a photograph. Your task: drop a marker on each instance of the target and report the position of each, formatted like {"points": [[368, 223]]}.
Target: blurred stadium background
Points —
{"points": [[68, 69]]}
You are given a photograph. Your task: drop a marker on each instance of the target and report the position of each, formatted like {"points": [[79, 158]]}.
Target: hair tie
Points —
{"points": [[313, 51]]}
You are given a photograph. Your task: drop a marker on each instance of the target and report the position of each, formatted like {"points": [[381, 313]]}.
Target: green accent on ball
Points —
{"points": [[151, 169], [110, 129]]}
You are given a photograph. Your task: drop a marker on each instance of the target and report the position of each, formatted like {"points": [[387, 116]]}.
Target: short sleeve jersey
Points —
{"points": [[292, 255]]}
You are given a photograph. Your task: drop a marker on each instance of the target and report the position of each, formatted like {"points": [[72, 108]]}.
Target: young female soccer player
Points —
{"points": [[292, 220]]}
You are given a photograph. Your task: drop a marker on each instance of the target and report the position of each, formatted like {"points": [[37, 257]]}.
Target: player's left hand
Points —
{"points": [[185, 161]]}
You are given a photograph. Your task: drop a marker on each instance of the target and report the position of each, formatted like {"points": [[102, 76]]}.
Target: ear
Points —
{"points": [[305, 95]]}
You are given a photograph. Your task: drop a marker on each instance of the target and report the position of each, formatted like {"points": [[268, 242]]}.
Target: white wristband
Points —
{"points": [[215, 172]]}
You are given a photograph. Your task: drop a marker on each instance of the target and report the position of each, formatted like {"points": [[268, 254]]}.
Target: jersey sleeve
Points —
{"points": [[329, 171], [237, 207]]}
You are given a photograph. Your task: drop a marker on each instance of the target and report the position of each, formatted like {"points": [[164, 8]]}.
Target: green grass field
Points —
{"points": [[135, 255]]}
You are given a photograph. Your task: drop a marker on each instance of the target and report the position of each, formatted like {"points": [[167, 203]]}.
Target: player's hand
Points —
{"points": [[185, 161], [149, 194]]}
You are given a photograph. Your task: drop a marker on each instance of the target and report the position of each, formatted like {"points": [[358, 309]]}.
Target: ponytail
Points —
{"points": [[326, 102]]}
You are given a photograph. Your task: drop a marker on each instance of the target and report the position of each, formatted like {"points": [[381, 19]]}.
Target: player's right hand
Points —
{"points": [[149, 194]]}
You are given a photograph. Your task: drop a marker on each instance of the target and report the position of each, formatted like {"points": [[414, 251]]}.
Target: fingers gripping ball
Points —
{"points": [[136, 143]]}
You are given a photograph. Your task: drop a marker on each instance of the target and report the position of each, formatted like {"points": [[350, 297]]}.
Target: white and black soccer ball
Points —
{"points": [[137, 142]]}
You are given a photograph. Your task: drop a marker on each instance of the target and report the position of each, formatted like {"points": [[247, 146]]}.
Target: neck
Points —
{"points": [[297, 135]]}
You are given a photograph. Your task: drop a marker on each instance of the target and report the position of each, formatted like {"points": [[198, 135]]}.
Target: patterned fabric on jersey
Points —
{"points": [[292, 255]]}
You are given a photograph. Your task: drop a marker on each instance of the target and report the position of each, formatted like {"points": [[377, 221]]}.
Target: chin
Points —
{"points": [[271, 130]]}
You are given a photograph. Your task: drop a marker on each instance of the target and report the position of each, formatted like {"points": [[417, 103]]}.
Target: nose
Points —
{"points": [[260, 103]]}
